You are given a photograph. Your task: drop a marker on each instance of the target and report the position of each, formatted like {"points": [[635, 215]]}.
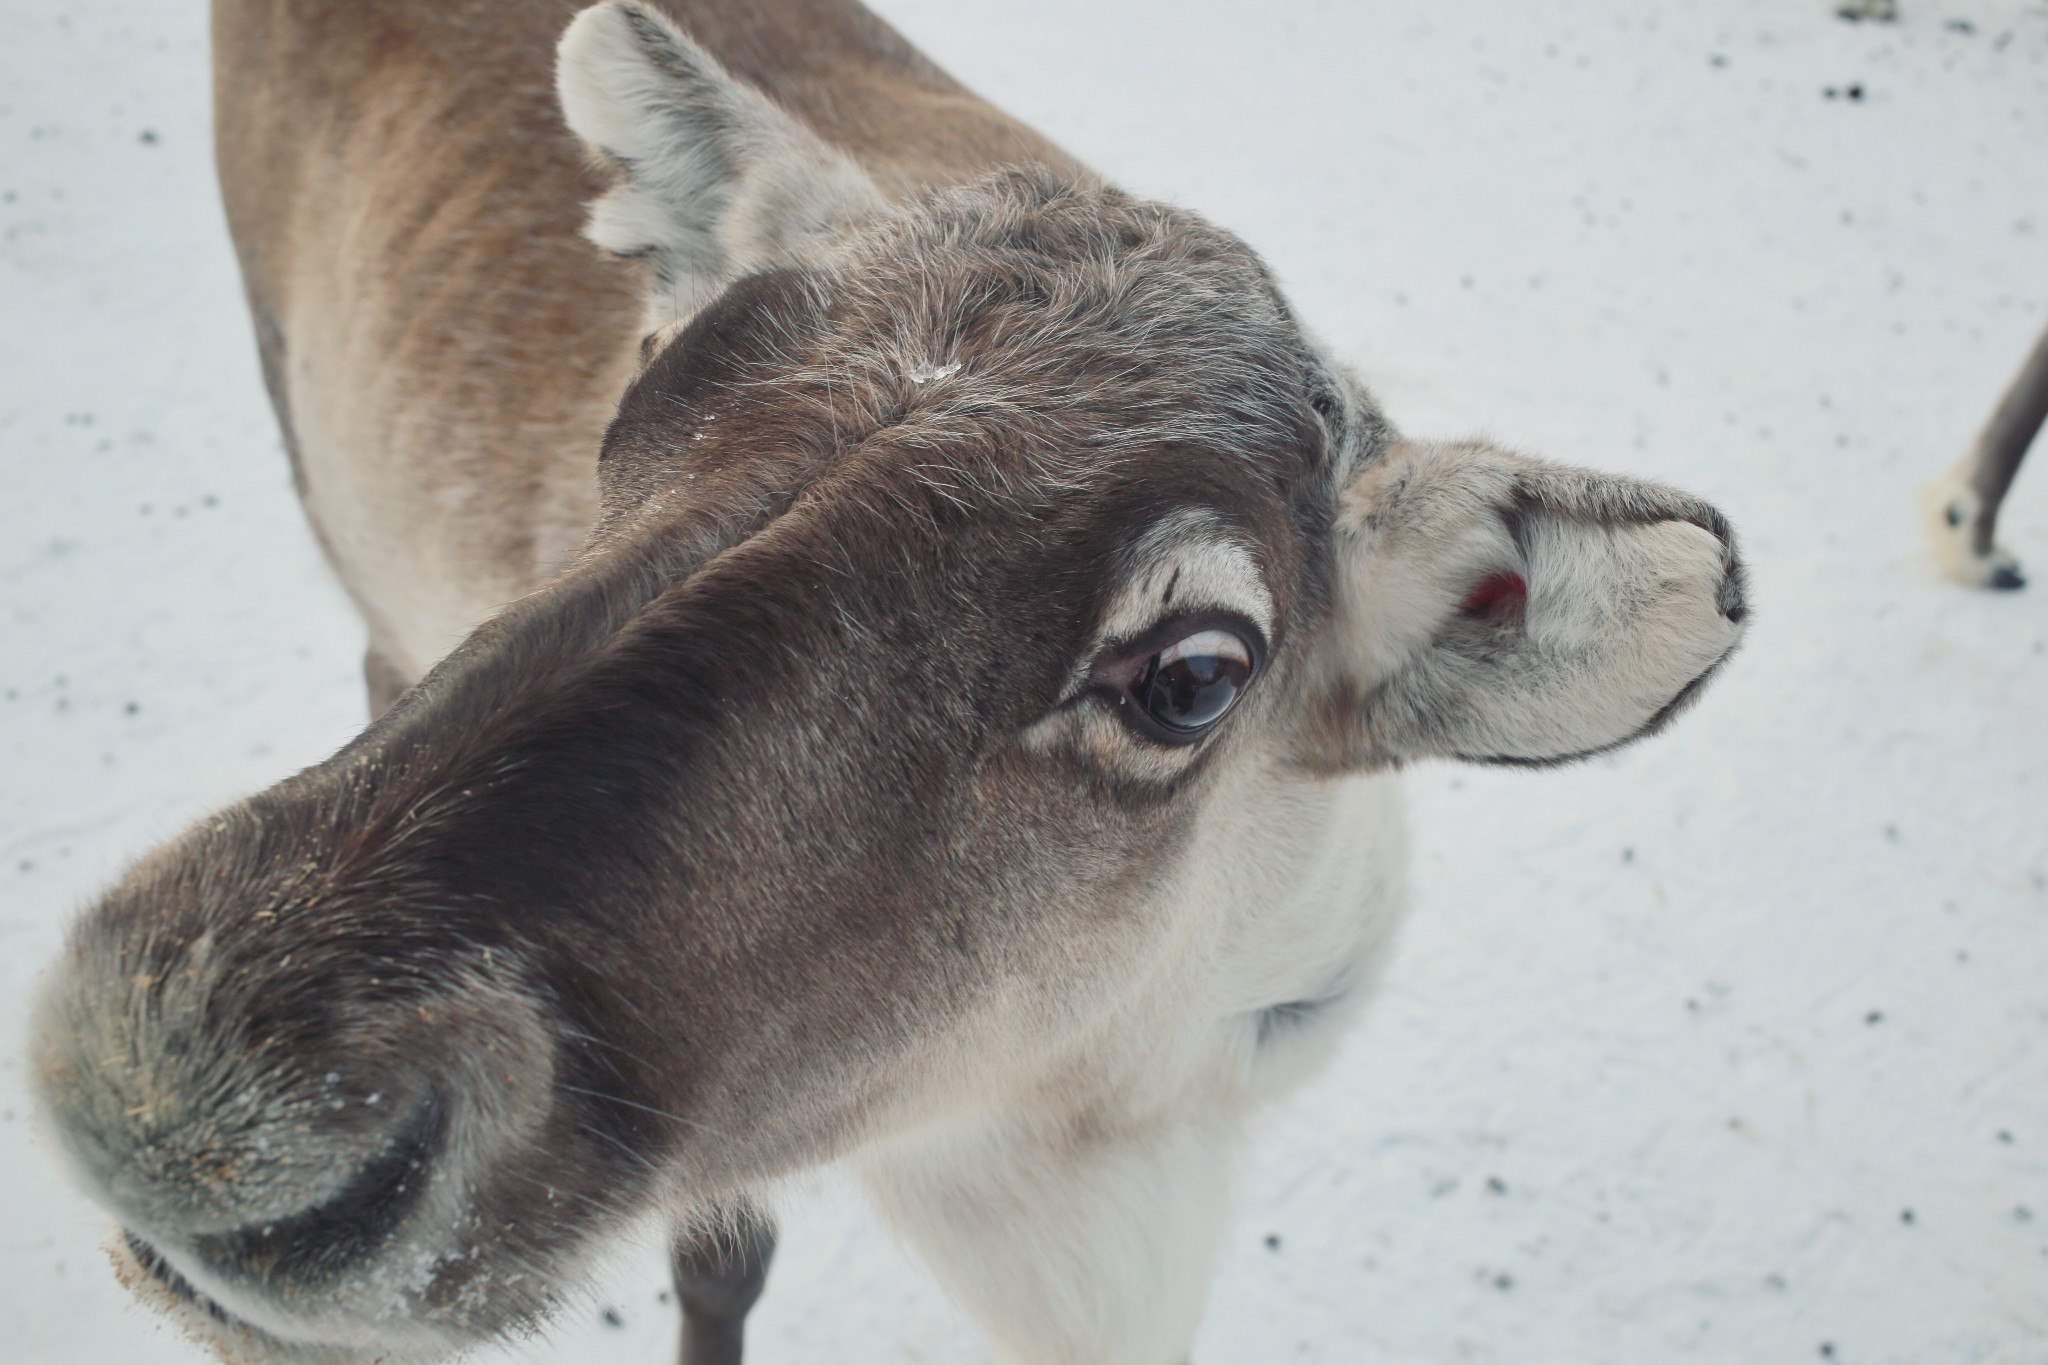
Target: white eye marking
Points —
{"points": [[1207, 644], [1189, 562]]}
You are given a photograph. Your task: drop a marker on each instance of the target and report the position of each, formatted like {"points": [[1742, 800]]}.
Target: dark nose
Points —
{"points": [[302, 1249]]}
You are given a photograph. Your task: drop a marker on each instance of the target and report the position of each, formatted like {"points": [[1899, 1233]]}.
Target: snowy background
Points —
{"points": [[1732, 1048]]}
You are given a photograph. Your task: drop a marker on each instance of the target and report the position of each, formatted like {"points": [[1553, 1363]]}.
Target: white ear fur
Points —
{"points": [[719, 181], [1634, 595]]}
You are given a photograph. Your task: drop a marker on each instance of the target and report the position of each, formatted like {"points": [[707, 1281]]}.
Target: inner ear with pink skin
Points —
{"points": [[1499, 599], [1496, 608]]}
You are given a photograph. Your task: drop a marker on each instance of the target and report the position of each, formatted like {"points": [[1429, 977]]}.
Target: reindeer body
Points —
{"points": [[946, 717], [442, 346]]}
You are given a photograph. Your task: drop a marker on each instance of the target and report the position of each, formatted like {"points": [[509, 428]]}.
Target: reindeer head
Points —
{"points": [[988, 594]]}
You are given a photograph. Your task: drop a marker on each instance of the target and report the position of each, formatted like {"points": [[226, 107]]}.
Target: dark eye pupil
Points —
{"points": [[1189, 693]]}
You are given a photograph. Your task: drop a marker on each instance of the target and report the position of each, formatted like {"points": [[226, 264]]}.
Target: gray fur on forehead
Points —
{"points": [[1116, 322], [1003, 349]]}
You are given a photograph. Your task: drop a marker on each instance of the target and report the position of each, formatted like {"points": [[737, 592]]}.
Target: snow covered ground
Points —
{"points": [[1731, 1048]]}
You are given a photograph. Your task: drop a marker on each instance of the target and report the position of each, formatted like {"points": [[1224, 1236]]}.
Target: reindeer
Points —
{"points": [[944, 717]]}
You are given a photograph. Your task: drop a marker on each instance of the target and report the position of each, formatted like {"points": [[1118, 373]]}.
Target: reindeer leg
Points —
{"points": [[719, 1273], [1964, 503]]}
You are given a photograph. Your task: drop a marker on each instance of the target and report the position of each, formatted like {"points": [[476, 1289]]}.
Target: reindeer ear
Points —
{"points": [[717, 181], [1503, 610]]}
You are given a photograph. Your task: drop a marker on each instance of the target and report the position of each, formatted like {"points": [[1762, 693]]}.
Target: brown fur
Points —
{"points": [[437, 337]]}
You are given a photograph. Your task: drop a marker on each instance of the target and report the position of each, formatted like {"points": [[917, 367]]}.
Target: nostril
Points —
{"points": [[346, 1228]]}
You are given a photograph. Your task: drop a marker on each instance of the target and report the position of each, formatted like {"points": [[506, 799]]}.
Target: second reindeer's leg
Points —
{"points": [[719, 1272], [1964, 503], [1086, 1241]]}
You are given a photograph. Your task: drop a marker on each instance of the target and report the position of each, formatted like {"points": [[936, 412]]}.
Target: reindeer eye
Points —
{"points": [[1176, 694]]}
